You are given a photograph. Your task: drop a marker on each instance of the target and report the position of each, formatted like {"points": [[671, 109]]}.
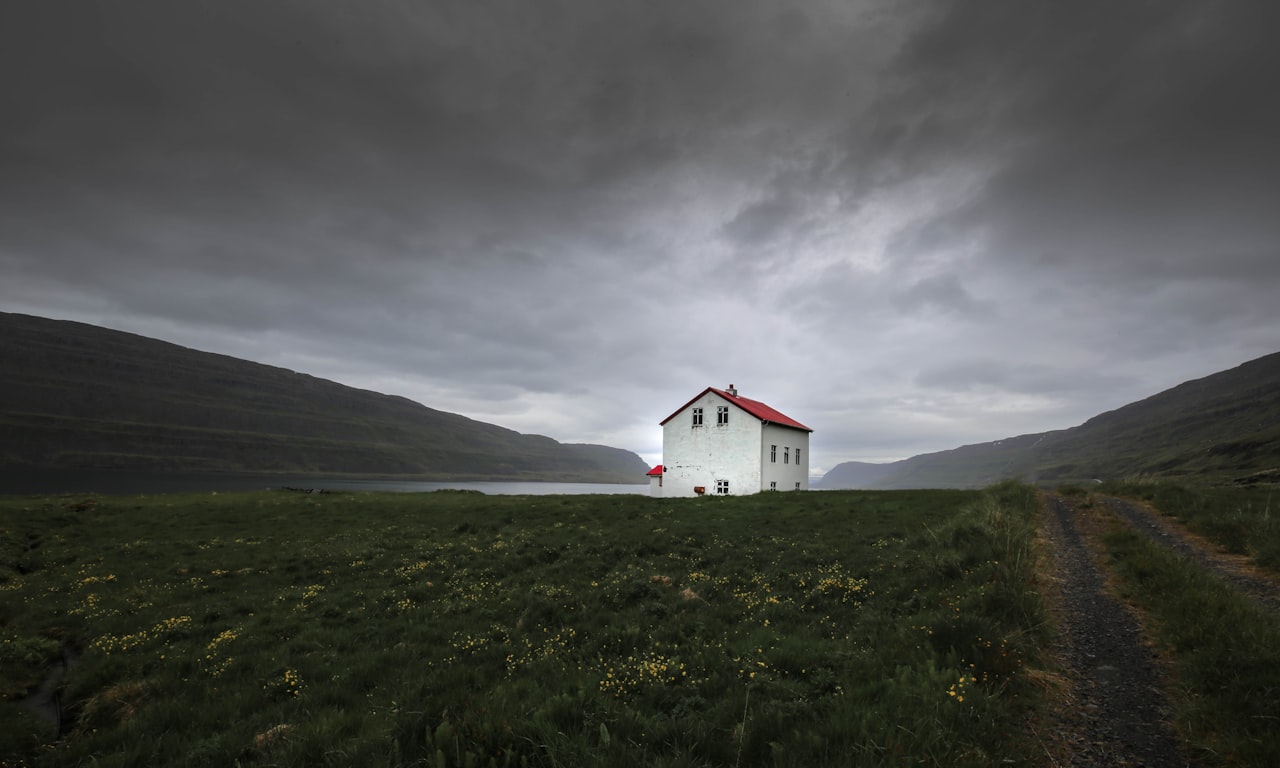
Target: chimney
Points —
{"points": [[732, 391]]}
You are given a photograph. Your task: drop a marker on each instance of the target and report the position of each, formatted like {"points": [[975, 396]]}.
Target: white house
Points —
{"points": [[722, 443]]}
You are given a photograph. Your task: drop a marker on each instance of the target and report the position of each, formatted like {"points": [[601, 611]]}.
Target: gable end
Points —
{"points": [[755, 408]]}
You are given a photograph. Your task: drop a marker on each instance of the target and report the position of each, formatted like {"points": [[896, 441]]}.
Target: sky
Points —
{"points": [[910, 226]]}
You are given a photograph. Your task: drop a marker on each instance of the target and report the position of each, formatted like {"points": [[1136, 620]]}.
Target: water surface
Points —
{"points": [[128, 483]]}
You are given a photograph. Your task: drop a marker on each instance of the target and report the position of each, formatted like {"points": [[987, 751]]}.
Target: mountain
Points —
{"points": [[1223, 426], [858, 474], [78, 396]]}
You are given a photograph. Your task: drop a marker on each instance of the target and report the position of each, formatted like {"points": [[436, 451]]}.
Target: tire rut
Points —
{"points": [[1115, 712], [1169, 534]]}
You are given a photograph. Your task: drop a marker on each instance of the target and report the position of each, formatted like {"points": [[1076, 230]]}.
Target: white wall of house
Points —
{"points": [[699, 456], [779, 460]]}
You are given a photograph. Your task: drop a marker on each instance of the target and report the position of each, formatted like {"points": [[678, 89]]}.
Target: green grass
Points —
{"points": [[807, 629], [1225, 650], [1243, 520]]}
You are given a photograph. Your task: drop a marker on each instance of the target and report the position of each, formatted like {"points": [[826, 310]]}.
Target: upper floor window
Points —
{"points": [[722, 487], [697, 417], [786, 455], [773, 454], [797, 455], [722, 414]]}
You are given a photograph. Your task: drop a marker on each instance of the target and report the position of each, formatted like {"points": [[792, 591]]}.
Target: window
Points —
{"points": [[797, 486], [797, 456], [697, 417], [722, 415], [773, 486], [786, 455], [773, 454], [722, 487]]}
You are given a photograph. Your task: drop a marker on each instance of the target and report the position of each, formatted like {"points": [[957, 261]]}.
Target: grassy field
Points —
{"points": [[458, 629]]}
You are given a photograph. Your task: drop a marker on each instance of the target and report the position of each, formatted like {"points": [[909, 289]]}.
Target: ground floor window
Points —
{"points": [[773, 486], [797, 486], [722, 486]]}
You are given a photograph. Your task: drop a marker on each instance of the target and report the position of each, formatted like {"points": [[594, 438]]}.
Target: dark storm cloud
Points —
{"points": [[272, 162], [892, 221], [1139, 139]]}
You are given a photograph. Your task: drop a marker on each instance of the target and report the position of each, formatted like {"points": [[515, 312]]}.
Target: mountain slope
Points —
{"points": [[78, 396], [1222, 426]]}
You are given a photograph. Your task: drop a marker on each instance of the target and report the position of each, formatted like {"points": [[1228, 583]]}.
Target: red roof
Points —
{"points": [[753, 407], [655, 472]]}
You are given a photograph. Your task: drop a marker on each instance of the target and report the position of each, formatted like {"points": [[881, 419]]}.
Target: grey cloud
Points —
{"points": [[941, 293], [761, 222], [1029, 378]]}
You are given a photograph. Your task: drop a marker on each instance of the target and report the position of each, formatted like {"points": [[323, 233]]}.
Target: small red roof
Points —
{"points": [[753, 407], [655, 472]]}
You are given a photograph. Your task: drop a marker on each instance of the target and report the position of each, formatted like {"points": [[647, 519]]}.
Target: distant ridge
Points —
{"points": [[77, 396], [1223, 427]]}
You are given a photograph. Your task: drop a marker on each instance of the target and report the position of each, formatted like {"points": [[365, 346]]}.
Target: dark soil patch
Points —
{"points": [[45, 702]]}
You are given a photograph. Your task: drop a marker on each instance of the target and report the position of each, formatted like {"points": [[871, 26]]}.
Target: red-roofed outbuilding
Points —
{"points": [[655, 480]]}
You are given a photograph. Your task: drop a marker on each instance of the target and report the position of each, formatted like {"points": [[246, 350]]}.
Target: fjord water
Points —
{"points": [[125, 483]]}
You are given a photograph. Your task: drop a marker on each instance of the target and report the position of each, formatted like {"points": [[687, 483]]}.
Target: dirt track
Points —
{"points": [[1113, 711]]}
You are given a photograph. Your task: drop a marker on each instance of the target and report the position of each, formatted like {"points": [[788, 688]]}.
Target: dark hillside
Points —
{"points": [[77, 396], [857, 474], [1224, 424], [1222, 427]]}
